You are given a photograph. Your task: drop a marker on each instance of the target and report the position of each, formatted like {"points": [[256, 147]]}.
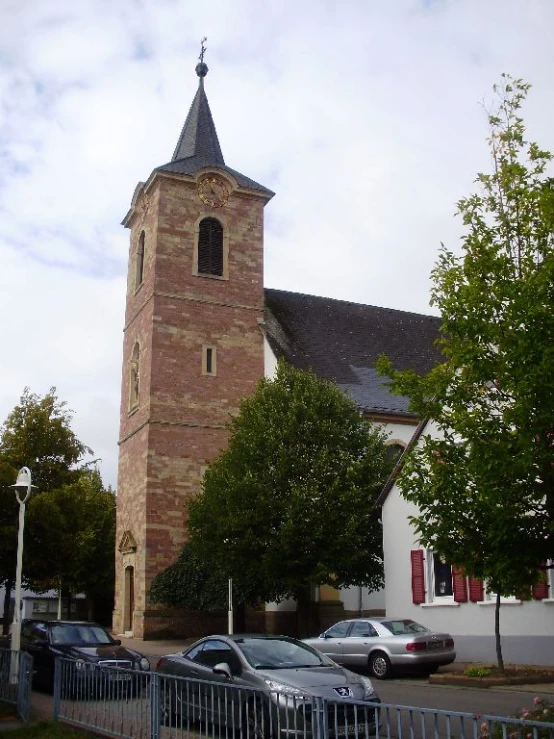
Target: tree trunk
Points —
{"points": [[499, 659], [7, 610], [304, 612]]}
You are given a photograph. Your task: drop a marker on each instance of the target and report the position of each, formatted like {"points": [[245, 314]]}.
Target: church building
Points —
{"points": [[200, 331]]}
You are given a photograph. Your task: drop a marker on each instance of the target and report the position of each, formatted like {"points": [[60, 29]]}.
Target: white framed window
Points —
{"points": [[550, 581], [439, 577], [489, 596], [435, 582]]}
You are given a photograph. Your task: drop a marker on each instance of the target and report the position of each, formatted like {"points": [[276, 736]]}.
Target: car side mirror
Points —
{"points": [[222, 668], [117, 642], [323, 636]]}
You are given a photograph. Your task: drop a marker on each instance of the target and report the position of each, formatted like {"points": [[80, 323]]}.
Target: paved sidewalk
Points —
{"points": [[155, 648]]}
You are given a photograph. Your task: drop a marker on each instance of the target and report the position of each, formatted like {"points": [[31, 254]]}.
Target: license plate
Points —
{"points": [[350, 730], [435, 645], [119, 676]]}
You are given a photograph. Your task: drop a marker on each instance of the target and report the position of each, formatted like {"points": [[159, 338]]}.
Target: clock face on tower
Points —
{"points": [[213, 191]]}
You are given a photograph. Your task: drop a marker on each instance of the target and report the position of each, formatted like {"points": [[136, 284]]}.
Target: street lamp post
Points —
{"points": [[22, 491], [230, 609], [229, 600]]}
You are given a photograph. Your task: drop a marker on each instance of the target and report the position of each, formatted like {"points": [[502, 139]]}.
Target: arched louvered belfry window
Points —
{"points": [[134, 377], [139, 274], [210, 247]]}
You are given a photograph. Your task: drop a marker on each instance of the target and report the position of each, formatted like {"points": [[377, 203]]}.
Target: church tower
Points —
{"points": [[192, 349]]}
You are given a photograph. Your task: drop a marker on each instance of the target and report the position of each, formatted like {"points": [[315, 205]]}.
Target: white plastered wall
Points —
{"points": [[531, 621]]}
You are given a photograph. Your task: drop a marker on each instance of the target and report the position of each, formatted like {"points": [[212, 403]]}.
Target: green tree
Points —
{"points": [[289, 504], [200, 582], [485, 486], [71, 531], [37, 434]]}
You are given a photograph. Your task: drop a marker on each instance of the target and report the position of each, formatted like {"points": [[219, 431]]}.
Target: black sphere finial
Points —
{"points": [[202, 67]]}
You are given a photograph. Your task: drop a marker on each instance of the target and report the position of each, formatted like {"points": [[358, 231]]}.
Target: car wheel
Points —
{"points": [[380, 666]]}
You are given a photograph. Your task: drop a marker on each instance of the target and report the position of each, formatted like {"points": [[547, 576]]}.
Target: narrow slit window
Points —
{"points": [[210, 247], [208, 360], [139, 274], [134, 378]]}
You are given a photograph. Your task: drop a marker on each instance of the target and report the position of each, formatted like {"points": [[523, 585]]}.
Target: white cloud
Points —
{"points": [[364, 117]]}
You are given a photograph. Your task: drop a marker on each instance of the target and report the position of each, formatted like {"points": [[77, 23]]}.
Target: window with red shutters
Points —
{"points": [[459, 586], [418, 576], [442, 577], [476, 590], [540, 590]]}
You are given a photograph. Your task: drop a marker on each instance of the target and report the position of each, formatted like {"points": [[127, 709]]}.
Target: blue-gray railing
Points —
{"points": [[16, 674], [135, 705]]}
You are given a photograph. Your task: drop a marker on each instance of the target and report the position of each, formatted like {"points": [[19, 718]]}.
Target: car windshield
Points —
{"points": [[79, 634], [274, 654], [401, 626]]}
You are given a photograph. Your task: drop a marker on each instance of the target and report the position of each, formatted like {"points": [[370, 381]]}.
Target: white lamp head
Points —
{"points": [[23, 482]]}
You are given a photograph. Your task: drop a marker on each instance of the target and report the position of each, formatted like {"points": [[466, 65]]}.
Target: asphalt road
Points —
{"points": [[490, 701]]}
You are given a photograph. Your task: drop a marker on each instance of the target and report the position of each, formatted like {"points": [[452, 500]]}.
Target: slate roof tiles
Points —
{"points": [[341, 341]]}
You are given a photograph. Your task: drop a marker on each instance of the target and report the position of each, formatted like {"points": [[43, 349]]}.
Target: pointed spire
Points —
{"points": [[198, 145], [199, 137]]}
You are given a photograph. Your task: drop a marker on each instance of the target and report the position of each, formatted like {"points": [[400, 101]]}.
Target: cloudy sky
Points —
{"points": [[366, 118]]}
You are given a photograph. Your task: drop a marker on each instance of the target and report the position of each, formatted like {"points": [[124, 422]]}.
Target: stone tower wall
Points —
{"points": [[180, 422]]}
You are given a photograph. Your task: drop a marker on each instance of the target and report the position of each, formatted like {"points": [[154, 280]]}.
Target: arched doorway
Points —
{"points": [[129, 599]]}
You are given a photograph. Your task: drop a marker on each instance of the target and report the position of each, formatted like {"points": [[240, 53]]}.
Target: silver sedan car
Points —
{"points": [[385, 645], [264, 686]]}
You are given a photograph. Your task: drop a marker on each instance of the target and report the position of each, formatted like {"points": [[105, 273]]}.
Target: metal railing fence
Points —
{"points": [[135, 705], [16, 674]]}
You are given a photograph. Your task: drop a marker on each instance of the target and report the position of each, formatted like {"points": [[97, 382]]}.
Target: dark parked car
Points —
{"points": [[87, 644], [386, 645], [264, 686]]}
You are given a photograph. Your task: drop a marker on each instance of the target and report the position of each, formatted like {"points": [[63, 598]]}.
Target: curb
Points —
{"points": [[489, 682]]}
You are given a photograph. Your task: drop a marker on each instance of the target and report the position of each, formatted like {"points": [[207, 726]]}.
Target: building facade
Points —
{"points": [[422, 586], [200, 331]]}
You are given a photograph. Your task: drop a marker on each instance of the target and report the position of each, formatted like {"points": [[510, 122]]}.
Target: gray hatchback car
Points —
{"points": [[386, 645], [264, 686]]}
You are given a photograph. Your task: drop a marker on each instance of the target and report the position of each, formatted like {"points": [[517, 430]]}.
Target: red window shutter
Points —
{"points": [[540, 590], [476, 590], [418, 576], [459, 585]]}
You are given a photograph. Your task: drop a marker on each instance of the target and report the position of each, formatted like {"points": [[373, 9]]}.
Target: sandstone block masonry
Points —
{"points": [[173, 412]]}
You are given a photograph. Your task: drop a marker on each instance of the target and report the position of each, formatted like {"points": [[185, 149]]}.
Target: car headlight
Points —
{"points": [[369, 690], [144, 664], [283, 689]]}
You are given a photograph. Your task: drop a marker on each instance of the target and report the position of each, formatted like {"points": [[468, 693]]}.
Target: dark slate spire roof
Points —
{"points": [[341, 341], [199, 137], [198, 145]]}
